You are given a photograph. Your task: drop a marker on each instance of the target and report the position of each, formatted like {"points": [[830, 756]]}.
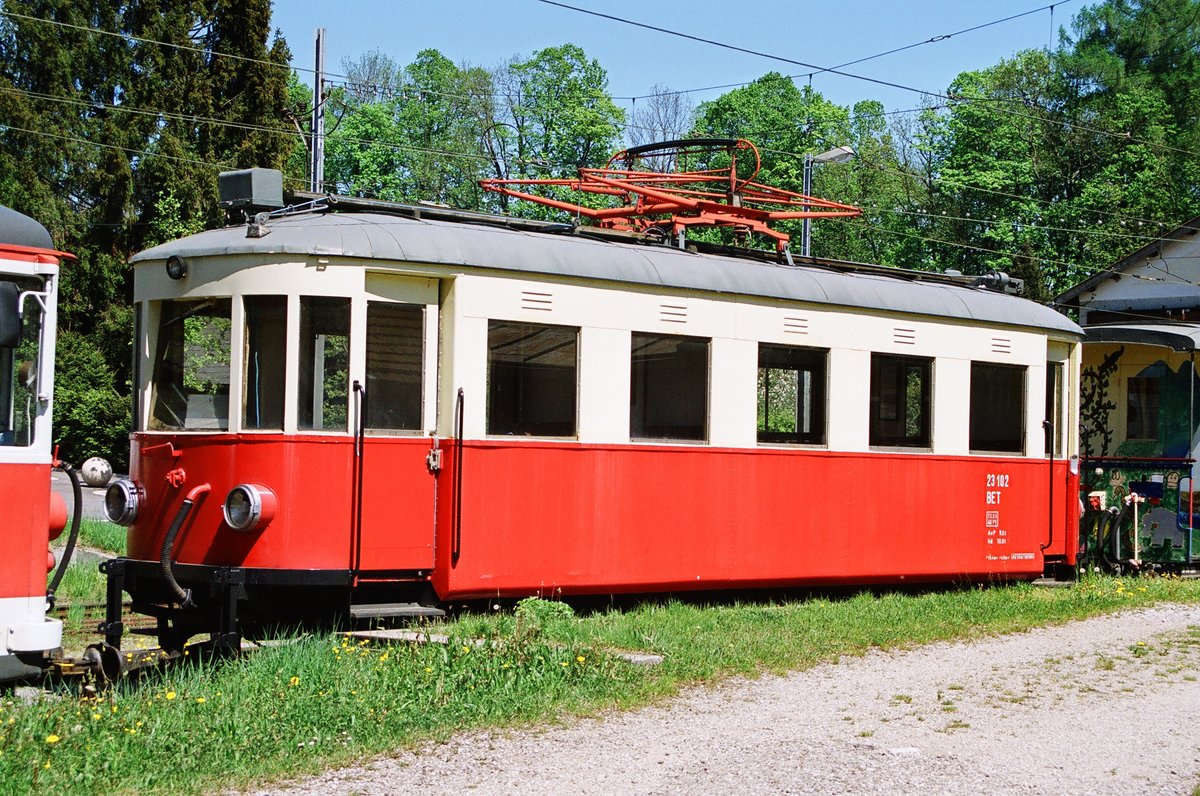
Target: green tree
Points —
{"points": [[421, 141], [100, 127]]}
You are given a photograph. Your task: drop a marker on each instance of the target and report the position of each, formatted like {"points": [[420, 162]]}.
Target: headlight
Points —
{"points": [[249, 506], [122, 500]]}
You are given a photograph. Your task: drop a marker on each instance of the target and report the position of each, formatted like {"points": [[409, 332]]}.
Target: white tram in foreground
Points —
{"points": [[371, 408], [30, 514]]}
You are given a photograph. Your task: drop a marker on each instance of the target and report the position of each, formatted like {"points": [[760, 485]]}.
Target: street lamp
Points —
{"points": [[839, 154]]}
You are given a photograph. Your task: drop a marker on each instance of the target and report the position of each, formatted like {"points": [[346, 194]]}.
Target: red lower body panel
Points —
{"points": [[547, 518], [542, 517], [25, 524]]}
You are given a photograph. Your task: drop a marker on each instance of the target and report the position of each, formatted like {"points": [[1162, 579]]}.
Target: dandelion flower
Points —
{"points": [[52, 739], [1141, 643], [201, 700], [95, 717], [581, 659], [564, 663], [171, 695], [294, 680]]}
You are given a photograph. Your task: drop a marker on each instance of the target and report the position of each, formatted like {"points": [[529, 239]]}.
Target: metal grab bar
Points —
{"points": [[456, 538]]}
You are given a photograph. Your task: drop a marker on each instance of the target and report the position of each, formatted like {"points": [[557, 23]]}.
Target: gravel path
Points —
{"points": [[1075, 709]]}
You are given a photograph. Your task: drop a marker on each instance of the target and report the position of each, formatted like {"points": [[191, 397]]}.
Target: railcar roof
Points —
{"points": [[379, 236], [18, 229], [1178, 336]]}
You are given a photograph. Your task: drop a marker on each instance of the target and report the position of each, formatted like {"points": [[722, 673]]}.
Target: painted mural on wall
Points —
{"points": [[1158, 411], [1096, 433]]}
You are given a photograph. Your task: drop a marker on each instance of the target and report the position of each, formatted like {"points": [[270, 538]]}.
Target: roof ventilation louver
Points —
{"points": [[795, 325]]}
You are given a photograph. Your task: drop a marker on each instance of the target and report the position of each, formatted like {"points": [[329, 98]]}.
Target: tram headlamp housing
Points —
{"points": [[177, 267], [249, 507], [122, 501]]}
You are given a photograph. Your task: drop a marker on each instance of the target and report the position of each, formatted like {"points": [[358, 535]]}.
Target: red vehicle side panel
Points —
{"points": [[24, 509], [573, 518], [550, 516]]}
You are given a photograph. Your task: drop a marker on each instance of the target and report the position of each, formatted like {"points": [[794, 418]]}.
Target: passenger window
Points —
{"points": [[263, 371], [191, 366], [791, 394], [901, 401], [997, 407], [324, 363], [395, 364], [668, 395], [532, 379], [1141, 408], [1056, 430]]}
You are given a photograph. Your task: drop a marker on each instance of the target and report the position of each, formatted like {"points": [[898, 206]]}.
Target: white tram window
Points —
{"points": [[266, 350], [791, 394], [901, 401], [668, 395], [20, 362], [323, 398], [395, 365], [191, 367], [532, 379], [997, 407]]}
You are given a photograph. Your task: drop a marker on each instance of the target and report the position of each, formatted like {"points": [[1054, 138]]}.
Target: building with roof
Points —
{"points": [[1139, 422]]}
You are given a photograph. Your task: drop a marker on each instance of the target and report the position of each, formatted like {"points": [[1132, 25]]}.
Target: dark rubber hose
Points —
{"points": [[164, 559], [69, 550]]}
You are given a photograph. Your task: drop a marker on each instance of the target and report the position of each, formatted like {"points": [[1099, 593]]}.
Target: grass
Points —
{"points": [[100, 535], [81, 583], [327, 700]]}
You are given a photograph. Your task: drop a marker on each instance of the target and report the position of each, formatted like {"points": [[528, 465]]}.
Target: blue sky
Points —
{"points": [[488, 32]]}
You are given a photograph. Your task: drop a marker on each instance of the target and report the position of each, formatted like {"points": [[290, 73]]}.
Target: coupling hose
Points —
{"points": [[69, 550], [184, 596]]}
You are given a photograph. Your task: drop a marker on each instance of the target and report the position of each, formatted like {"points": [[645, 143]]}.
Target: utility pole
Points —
{"points": [[839, 155], [316, 166]]}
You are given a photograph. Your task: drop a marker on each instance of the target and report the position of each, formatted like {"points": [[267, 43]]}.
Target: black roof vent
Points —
{"points": [[251, 190]]}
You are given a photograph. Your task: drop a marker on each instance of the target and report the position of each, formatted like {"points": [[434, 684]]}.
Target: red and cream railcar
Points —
{"points": [[29, 268], [387, 407]]}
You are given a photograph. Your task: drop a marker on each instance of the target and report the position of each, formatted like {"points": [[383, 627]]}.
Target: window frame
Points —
{"points": [[306, 363], [518, 376], [1149, 415], [876, 437], [817, 407], [1021, 442], [420, 310], [153, 421], [635, 393]]}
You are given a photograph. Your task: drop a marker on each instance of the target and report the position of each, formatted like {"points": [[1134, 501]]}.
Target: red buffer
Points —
{"points": [[656, 192]]}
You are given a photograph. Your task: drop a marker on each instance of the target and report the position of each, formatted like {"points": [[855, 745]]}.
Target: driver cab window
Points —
{"points": [[191, 367], [20, 360]]}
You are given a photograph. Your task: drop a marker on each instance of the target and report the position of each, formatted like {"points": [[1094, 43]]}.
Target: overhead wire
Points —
{"points": [[834, 70], [893, 51], [820, 69], [1073, 267], [865, 78]]}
